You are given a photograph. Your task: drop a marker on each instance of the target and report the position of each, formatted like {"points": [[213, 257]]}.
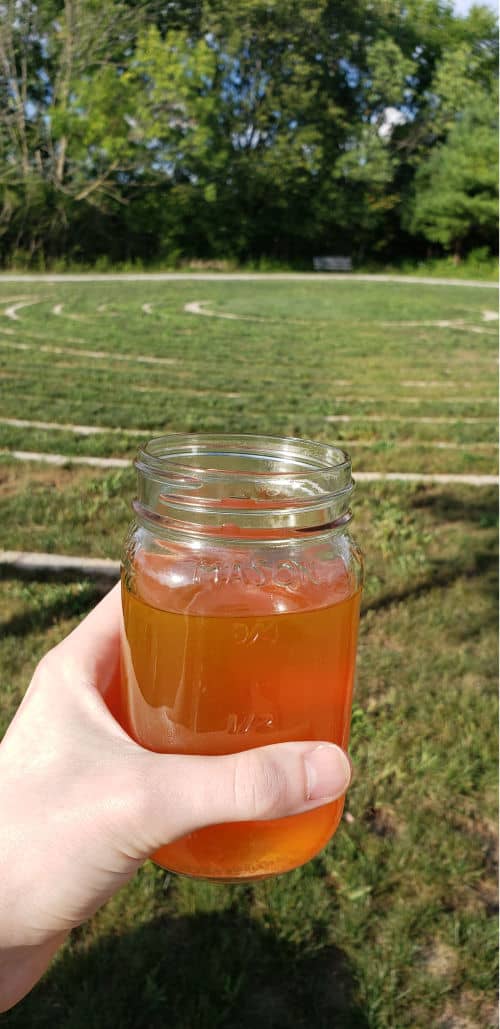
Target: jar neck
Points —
{"points": [[261, 487]]}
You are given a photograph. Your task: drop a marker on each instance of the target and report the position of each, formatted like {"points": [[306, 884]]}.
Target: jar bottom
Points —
{"points": [[222, 880], [250, 851]]}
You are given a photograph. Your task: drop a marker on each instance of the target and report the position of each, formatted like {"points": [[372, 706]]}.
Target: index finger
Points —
{"points": [[95, 644]]}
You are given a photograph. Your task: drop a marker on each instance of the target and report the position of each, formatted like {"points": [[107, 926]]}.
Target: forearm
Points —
{"points": [[26, 944], [21, 967]]}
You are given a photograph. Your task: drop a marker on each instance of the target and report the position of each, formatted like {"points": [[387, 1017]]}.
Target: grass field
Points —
{"points": [[393, 925]]}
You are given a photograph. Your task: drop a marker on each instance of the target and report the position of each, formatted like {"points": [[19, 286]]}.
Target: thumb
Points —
{"points": [[181, 793]]}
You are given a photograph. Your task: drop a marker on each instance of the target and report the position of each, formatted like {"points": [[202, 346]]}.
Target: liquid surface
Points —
{"points": [[214, 680]]}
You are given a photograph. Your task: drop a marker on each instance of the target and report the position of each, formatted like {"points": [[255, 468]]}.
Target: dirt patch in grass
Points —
{"points": [[17, 476], [382, 821], [469, 1011], [486, 831], [440, 960], [487, 891]]}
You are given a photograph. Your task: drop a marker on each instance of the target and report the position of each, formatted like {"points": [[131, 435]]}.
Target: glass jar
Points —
{"points": [[241, 593]]}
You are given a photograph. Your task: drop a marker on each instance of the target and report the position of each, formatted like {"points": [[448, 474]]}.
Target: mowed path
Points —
{"points": [[30, 331], [331, 277]]}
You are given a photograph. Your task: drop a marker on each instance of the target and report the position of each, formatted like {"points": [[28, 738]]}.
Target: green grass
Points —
{"points": [[393, 925], [477, 265], [304, 352]]}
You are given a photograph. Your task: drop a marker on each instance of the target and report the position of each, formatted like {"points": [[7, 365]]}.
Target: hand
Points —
{"points": [[82, 805]]}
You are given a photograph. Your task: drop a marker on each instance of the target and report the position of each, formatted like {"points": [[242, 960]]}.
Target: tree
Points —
{"points": [[65, 133], [242, 128], [456, 188]]}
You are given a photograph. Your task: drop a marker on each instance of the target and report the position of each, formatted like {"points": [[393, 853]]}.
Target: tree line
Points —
{"points": [[164, 130]]}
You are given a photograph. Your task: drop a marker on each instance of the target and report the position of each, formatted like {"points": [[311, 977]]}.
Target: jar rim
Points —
{"points": [[160, 449], [248, 481]]}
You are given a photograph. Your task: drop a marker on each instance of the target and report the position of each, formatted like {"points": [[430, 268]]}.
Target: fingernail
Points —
{"points": [[328, 772]]}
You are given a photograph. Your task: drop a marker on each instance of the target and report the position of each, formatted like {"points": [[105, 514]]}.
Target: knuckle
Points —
{"points": [[46, 669], [130, 808], [55, 667], [138, 794], [43, 688], [260, 787]]}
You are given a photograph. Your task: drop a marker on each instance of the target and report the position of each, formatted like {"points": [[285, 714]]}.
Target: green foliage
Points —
{"points": [[388, 75], [242, 130], [456, 189], [173, 79]]}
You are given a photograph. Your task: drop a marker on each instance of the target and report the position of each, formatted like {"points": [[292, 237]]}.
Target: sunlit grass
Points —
{"points": [[393, 926], [300, 353]]}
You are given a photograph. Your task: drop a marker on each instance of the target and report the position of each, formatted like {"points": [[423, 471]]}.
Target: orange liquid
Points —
{"points": [[217, 680]]}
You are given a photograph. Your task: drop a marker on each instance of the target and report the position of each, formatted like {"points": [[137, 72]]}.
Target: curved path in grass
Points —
{"points": [[243, 277]]}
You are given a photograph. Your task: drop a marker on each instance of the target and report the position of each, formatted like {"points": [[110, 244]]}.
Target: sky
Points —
{"points": [[463, 6]]}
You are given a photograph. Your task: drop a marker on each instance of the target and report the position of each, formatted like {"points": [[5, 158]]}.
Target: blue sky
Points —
{"points": [[462, 6]]}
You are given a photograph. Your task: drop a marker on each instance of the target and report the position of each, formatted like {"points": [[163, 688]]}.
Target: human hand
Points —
{"points": [[82, 805]]}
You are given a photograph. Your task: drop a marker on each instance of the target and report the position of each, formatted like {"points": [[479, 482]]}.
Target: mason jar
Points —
{"points": [[241, 594]]}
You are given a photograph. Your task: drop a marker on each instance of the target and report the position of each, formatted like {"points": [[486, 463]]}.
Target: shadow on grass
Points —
{"points": [[41, 616], [478, 558], [210, 971], [444, 573], [477, 507]]}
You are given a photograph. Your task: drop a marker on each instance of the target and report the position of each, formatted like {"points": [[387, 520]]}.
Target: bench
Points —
{"points": [[332, 264]]}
